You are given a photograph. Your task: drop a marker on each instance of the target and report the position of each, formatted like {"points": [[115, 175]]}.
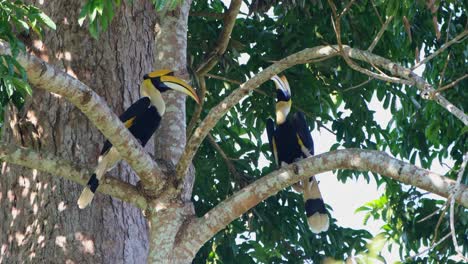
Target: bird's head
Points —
{"points": [[283, 98], [164, 80]]}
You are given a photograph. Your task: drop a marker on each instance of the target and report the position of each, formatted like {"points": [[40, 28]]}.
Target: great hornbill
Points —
{"points": [[290, 141], [142, 119]]}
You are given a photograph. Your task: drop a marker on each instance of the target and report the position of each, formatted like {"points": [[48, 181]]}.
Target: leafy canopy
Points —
{"points": [[420, 131], [17, 18]]}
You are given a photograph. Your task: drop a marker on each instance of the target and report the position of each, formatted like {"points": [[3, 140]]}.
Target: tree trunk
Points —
{"points": [[39, 219], [167, 222]]}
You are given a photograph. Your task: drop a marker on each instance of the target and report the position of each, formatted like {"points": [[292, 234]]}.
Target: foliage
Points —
{"points": [[17, 18], [100, 12], [420, 131]]}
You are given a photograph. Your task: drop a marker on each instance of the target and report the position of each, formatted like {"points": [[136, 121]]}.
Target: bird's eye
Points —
{"points": [[145, 77]]}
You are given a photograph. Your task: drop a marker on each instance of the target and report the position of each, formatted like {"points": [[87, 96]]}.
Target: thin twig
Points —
{"points": [[199, 107], [458, 38], [452, 84], [429, 248], [441, 217], [442, 75], [380, 34], [432, 214], [213, 57], [337, 27], [357, 86], [223, 78], [232, 169], [223, 39], [455, 192], [207, 14], [346, 9], [447, 33], [377, 12]]}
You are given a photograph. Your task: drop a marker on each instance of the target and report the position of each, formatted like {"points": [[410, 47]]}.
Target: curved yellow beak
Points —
{"points": [[181, 86], [282, 84]]}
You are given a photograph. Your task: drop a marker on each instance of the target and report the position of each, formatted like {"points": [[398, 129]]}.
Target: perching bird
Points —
{"points": [[290, 141], [142, 119]]}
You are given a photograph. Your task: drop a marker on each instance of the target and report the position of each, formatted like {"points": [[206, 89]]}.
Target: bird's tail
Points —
{"points": [[88, 193], [315, 208]]}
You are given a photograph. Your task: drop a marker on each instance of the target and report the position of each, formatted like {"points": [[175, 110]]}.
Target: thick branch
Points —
{"points": [[223, 40], [202, 229], [45, 76], [304, 56], [50, 164], [428, 92]]}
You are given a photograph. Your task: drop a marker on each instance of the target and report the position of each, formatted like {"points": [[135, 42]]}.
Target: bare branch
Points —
{"points": [[456, 190], [441, 217], [409, 78], [347, 8], [232, 169], [358, 85], [45, 76], [441, 209], [58, 167], [201, 229], [427, 91], [305, 56], [429, 248], [444, 47], [207, 14], [223, 40], [447, 33], [442, 75], [223, 78], [377, 12], [380, 34], [450, 85], [336, 22]]}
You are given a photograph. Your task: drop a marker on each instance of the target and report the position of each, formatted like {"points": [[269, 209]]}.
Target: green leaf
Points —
{"points": [[46, 20]]}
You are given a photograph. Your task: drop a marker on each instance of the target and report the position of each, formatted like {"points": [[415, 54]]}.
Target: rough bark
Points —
{"points": [[171, 210], [40, 222], [78, 173], [54, 80]]}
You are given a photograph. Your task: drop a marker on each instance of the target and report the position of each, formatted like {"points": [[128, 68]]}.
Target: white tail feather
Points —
{"points": [[85, 198], [318, 222]]}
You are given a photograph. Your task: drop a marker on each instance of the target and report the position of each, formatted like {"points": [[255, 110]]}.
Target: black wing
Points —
{"points": [[303, 134], [145, 125], [270, 127], [127, 117]]}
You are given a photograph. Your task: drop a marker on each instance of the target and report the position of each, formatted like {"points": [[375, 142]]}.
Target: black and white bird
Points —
{"points": [[290, 140], [142, 119]]}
